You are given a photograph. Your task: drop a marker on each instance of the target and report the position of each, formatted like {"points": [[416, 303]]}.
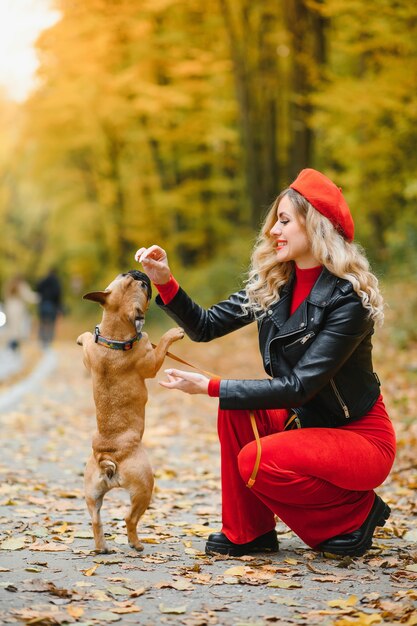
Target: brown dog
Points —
{"points": [[120, 358]]}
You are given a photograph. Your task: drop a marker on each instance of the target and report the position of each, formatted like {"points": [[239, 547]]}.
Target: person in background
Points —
{"points": [[50, 306], [18, 296], [311, 442]]}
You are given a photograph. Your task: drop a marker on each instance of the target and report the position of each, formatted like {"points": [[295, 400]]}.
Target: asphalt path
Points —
{"points": [[11, 364], [49, 573]]}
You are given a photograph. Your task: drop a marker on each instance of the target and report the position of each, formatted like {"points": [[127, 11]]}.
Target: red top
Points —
{"points": [[304, 281]]}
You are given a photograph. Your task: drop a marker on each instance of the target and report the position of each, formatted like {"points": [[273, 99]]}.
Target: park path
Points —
{"points": [[50, 575]]}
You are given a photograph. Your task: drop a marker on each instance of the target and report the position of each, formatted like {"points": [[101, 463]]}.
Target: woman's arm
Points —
{"points": [[200, 324], [346, 327], [206, 324]]}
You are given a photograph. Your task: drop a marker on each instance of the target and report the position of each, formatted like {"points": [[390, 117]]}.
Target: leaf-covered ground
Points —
{"points": [[49, 573]]}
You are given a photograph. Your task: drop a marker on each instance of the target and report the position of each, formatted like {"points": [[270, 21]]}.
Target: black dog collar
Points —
{"points": [[113, 344]]}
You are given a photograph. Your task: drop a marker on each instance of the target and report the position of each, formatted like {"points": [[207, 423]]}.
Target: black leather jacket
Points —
{"points": [[319, 358]]}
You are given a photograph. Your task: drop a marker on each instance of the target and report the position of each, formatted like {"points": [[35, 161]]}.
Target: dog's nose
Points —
{"points": [[144, 279]]}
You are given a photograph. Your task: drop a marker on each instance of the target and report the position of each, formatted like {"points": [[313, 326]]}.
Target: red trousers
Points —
{"points": [[318, 481]]}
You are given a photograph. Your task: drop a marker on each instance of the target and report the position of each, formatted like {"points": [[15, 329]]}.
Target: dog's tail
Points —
{"points": [[108, 467]]}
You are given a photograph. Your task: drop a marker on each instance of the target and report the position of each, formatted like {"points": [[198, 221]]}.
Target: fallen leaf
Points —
{"points": [[61, 529], [118, 590], [231, 580], [283, 584], [33, 616], [343, 604], [13, 544], [100, 595], [75, 611], [238, 570], [83, 534], [90, 571], [361, 619], [109, 560], [412, 567], [411, 535], [137, 592], [48, 547], [175, 610], [106, 616], [200, 531], [281, 600], [179, 585], [126, 609]]}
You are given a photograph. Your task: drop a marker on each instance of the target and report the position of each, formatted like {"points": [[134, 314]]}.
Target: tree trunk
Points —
{"points": [[308, 53], [255, 75]]}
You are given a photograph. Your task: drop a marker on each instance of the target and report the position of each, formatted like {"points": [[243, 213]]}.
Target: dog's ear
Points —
{"points": [[97, 296]]}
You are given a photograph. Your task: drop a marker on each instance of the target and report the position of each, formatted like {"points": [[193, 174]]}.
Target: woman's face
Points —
{"points": [[290, 237]]}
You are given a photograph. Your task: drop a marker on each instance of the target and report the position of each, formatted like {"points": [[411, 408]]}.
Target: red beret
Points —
{"points": [[327, 198]]}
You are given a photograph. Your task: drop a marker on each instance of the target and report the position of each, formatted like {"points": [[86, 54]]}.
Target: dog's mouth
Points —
{"points": [[139, 322]]}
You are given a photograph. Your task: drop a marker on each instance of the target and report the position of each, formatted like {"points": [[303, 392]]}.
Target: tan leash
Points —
{"points": [[252, 478], [198, 369]]}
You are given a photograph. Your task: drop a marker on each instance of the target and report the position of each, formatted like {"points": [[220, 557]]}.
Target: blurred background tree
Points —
{"points": [[179, 122]]}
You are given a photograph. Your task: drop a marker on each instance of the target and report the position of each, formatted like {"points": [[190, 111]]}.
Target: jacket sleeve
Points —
{"points": [[206, 324], [346, 326]]}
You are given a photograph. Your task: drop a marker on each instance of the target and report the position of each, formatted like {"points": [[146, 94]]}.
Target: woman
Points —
{"points": [[17, 297], [326, 441]]}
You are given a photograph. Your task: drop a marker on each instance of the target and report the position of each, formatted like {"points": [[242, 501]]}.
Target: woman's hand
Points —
{"points": [[155, 264], [186, 381]]}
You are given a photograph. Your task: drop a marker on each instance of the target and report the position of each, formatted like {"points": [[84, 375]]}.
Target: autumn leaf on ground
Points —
{"points": [[124, 610], [75, 611], [284, 584], [91, 571], [360, 619], [175, 610], [342, 603], [238, 570], [48, 547], [13, 544], [179, 585]]}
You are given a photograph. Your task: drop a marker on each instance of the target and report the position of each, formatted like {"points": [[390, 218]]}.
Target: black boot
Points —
{"points": [[218, 543], [359, 541]]}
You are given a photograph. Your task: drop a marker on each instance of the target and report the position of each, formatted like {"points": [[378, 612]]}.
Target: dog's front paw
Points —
{"points": [[103, 549], [175, 334], [81, 340]]}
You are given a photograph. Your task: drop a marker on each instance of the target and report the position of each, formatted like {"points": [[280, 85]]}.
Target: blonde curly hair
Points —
{"points": [[346, 260]]}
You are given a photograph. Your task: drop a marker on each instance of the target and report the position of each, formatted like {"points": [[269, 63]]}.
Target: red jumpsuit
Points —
{"points": [[318, 481]]}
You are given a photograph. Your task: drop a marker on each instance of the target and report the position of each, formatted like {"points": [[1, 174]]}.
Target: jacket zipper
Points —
{"points": [[339, 397], [302, 340]]}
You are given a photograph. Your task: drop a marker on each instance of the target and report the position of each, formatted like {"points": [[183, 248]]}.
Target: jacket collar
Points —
{"points": [[319, 296]]}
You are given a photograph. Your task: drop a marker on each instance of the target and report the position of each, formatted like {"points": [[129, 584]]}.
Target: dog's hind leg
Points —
{"points": [[138, 481], [94, 491], [94, 506], [139, 502]]}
